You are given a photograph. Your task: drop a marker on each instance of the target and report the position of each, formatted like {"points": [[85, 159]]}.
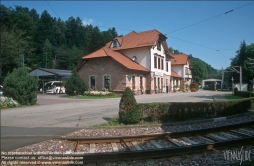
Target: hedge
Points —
{"points": [[245, 94], [180, 111]]}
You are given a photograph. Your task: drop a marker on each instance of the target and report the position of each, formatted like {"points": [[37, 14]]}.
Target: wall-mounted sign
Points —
{"points": [[158, 73]]}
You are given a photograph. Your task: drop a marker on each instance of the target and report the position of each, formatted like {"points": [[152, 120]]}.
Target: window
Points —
{"points": [[161, 82], [167, 66], [106, 81], [158, 83], [92, 82], [166, 82], [141, 82], [159, 64], [155, 62], [114, 44], [133, 82], [162, 61], [155, 82]]}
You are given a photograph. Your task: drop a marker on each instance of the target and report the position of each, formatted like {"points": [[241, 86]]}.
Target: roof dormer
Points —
{"points": [[114, 44]]}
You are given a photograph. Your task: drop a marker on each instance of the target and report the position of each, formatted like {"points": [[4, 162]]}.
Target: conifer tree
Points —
{"points": [[20, 86], [128, 111], [75, 85]]}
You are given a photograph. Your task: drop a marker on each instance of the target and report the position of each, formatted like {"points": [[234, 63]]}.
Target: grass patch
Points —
{"points": [[112, 122], [232, 97], [93, 97]]}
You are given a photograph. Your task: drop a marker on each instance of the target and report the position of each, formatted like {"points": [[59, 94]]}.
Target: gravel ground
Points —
{"points": [[205, 158]]}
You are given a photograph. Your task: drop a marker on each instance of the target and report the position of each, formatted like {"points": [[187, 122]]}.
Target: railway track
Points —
{"points": [[165, 144], [100, 149]]}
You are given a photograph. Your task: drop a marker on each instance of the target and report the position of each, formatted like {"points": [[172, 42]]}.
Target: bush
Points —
{"points": [[245, 94], [75, 85], [128, 111], [20, 86], [181, 111], [195, 86], [235, 90], [6, 102]]}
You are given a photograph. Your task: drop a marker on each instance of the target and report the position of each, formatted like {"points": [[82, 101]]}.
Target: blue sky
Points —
{"points": [[214, 41]]}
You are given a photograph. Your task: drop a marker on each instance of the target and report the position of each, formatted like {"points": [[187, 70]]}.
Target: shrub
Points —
{"points": [[235, 90], [20, 86], [128, 111], [6, 102], [194, 85], [75, 85]]}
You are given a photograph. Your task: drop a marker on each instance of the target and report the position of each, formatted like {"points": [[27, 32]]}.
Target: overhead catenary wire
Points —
{"points": [[217, 50], [229, 11], [52, 8], [200, 46]]}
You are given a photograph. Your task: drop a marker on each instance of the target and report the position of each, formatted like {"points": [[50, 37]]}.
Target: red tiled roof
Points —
{"points": [[179, 59], [120, 58], [174, 74], [135, 40], [131, 40]]}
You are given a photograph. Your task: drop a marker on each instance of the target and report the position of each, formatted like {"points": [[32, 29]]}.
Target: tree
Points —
{"points": [[13, 48], [47, 52], [20, 86], [128, 112], [75, 85], [241, 59], [248, 66], [199, 70]]}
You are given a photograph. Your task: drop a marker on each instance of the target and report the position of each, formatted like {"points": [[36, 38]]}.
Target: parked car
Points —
{"points": [[54, 87], [1, 90]]}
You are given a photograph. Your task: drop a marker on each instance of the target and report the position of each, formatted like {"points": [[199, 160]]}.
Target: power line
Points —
{"points": [[211, 17], [182, 28], [52, 9], [200, 46]]}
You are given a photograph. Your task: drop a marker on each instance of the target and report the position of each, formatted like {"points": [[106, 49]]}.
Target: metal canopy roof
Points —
{"points": [[50, 72]]}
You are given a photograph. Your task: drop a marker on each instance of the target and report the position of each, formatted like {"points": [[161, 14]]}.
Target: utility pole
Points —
{"points": [[240, 72], [232, 84]]}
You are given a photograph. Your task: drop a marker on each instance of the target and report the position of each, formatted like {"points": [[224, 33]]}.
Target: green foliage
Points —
{"points": [[45, 40], [7, 102], [75, 85], [128, 111], [194, 86], [13, 48], [199, 69], [20, 86], [242, 59], [182, 111], [245, 94]]}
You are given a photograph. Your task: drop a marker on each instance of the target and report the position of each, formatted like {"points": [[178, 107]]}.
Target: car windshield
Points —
{"points": [[52, 86]]}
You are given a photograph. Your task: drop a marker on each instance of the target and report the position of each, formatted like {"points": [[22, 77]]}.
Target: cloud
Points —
{"points": [[87, 21]]}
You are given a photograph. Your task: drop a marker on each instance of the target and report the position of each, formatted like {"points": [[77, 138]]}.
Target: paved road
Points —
{"points": [[56, 115]]}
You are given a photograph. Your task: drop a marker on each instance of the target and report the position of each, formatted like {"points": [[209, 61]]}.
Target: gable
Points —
{"points": [[115, 43], [135, 40]]}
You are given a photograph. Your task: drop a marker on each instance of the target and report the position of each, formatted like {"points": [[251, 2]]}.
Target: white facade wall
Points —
{"points": [[186, 75], [142, 54], [178, 69], [160, 52]]}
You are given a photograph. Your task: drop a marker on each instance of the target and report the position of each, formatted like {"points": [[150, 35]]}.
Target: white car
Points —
{"points": [[54, 87], [1, 90]]}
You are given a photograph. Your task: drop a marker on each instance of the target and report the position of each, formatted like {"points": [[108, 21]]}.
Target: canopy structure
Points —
{"points": [[55, 73], [50, 72]]}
